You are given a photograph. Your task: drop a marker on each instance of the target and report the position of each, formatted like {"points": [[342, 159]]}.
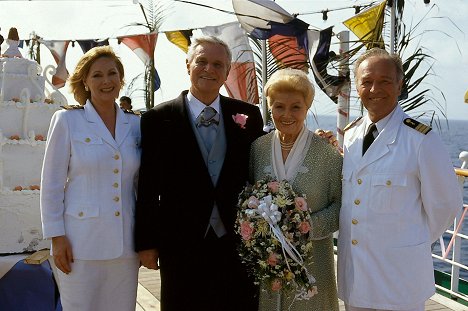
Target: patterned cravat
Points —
{"points": [[207, 117], [205, 126], [368, 138]]}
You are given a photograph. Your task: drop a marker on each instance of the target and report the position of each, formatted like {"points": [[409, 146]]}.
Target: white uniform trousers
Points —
{"points": [[349, 308], [99, 285]]}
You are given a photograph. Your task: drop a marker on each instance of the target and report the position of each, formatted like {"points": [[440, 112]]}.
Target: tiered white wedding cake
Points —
{"points": [[24, 121]]}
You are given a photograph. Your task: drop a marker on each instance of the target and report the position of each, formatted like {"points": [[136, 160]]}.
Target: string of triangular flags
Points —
{"points": [[290, 42]]}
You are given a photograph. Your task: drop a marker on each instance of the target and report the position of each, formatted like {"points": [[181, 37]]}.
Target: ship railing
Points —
{"points": [[456, 241]]}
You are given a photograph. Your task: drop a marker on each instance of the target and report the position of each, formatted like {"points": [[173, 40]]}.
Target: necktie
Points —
{"points": [[207, 117], [368, 138], [205, 124]]}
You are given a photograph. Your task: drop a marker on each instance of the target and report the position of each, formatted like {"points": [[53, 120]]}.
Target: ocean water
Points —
{"points": [[455, 136]]}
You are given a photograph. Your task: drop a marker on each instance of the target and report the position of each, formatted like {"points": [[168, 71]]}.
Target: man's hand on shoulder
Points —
{"points": [[149, 258], [328, 135]]}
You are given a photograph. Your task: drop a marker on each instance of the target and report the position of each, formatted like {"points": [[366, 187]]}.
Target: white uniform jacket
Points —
{"points": [[89, 182], [397, 199]]}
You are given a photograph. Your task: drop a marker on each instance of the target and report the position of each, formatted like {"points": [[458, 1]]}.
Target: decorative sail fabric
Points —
{"points": [[368, 25], [264, 18], [180, 38], [143, 46], [320, 57], [59, 51], [241, 82], [288, 53], [257, 16], [87, 45]]}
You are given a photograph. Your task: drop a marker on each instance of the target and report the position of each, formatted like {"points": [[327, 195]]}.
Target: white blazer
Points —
{"points": [[88, 182], [397, 199]]}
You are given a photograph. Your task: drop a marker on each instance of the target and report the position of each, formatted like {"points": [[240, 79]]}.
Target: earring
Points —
{"points": [[86, 88]]}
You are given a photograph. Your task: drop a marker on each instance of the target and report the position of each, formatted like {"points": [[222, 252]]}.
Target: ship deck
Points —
{"points": [[149, 293]]}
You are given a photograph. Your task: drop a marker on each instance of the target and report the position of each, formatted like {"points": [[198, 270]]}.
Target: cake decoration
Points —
{"points": [[25, 116]]}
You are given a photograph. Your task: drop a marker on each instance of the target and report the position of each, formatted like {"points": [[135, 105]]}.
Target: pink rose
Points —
{"points": [[246, 230], [312, 292], [304, 227], [240, 119], [301, 203], [273, 186], [276, 285], [272, 260], [253, 202]]}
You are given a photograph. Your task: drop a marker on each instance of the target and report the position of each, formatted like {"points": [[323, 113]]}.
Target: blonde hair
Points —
{"points": [[76, 80], [290, 80]]}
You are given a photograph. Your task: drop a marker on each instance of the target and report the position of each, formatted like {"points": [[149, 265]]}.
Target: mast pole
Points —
{"points": [[392, 27], [343, 98], [264, 80]]}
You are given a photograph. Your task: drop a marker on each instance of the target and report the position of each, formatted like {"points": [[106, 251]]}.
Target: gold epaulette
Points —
{"points": [[418, 126], [72, 107], [131, 112], [352, 124]]}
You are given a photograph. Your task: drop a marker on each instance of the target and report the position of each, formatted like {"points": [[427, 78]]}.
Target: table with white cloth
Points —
{"points": [[27, 287]]}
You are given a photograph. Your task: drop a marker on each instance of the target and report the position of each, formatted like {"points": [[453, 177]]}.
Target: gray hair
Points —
{"points": [[196, 41], [380, 53]]}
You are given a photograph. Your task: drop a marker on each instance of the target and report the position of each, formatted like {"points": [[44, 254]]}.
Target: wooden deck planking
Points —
{"points": [[146, 299], [149, 293]]}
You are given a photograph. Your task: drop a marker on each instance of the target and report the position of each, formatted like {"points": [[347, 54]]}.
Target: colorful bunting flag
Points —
{"points": [[266, 11], [320, 56], [241, 82], [181, 38], [87, 45], [288, 53], [58, 50], [368, 25], [143, 46], [331, 85], [269, 19]]}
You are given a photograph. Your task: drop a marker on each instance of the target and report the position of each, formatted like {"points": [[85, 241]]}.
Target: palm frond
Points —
{"points": [[131, 87], [154, 13]]}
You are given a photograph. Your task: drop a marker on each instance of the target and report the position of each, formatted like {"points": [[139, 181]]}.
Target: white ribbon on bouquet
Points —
{"points": [[269, 211]]}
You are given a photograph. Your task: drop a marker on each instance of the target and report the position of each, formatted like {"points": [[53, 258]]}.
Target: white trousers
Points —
{"points": [[99, 285], [350, 308]]}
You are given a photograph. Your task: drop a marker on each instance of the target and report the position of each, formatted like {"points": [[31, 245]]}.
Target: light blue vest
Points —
{"points": [[214, 162]]}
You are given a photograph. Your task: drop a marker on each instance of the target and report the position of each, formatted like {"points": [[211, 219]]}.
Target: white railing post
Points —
{"points": [[343, 97], [456, 257], [464, 160], [457, 240]]}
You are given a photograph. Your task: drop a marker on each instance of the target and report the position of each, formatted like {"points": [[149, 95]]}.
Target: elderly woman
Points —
{"points": [[312, 167], [88, 189]]}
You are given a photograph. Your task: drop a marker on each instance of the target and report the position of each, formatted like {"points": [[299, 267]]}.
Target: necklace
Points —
{"points": [[286, 146]]}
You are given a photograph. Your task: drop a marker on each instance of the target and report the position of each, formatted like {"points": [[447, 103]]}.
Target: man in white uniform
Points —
{"points": [[399, 195]]}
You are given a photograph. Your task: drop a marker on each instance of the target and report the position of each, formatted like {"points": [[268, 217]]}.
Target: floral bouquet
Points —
{"points": [[274, 224]]}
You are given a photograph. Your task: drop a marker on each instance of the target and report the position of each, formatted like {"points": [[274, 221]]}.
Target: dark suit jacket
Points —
{"points": [[176, 194]]}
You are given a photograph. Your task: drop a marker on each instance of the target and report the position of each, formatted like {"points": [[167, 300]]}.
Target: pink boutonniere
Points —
{"points": [[240, 119]]}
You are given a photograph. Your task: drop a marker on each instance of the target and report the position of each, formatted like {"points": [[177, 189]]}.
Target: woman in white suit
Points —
{"points": [[88, 189]]}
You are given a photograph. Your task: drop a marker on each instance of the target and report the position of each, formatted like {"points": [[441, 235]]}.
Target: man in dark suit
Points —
{"points": [[195, 153]]}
